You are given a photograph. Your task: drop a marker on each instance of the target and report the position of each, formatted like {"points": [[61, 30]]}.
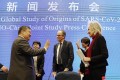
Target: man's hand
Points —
{"points": [[54, 74], [4, 69], [66, 69], [47, 44], [38, 75], [78, 44]]}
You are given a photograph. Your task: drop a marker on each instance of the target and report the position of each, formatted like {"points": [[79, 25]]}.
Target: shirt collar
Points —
{"points": [[21, 36]]}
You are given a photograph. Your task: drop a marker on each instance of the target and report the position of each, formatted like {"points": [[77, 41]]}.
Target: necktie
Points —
{"points": [[59, 54]]}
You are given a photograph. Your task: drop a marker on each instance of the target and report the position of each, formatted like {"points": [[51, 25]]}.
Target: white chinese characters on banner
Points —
{"points": [[11, 6], [53, 6], [32, 6], [94, 7], [74, 6]]}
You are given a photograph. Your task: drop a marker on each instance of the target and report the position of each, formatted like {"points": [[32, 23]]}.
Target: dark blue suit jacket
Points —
{"points": [[67, 55]]}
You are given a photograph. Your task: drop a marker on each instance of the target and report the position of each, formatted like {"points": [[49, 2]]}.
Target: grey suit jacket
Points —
{"points": [[21, 63]]}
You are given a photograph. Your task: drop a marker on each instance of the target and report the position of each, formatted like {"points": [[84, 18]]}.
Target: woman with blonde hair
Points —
{"points": [[97, 53]]}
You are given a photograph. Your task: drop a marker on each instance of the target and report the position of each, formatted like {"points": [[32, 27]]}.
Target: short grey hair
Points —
{"points": [[63, 32]]}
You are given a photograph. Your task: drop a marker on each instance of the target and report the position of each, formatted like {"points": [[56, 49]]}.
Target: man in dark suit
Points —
{"points": [[21, 64], [63, 54]]}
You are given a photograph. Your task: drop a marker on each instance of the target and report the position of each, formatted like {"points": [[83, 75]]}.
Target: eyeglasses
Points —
{"points": [[59, 35]]}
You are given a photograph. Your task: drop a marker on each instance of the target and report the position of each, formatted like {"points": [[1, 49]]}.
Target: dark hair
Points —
{"points": [[64, 33], [23, 28], [37, 43], [85, 40]]}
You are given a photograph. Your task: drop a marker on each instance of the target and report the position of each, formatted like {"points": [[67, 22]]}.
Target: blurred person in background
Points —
{"points": [[38, 62], [85, 44]]}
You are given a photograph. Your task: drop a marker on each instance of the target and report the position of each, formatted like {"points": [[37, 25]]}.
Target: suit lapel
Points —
{"points": [[56, 48], [63, 45]]}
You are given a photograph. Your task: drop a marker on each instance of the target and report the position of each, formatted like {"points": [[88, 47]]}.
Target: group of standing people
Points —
{"points": [[22, 66]]}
